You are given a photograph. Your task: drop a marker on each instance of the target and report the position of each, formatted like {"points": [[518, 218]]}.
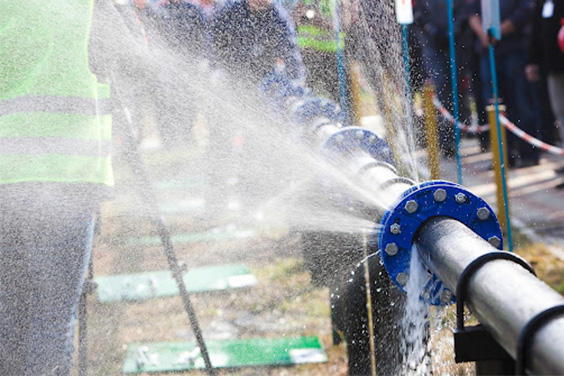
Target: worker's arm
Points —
{"points": [[475, 23]]}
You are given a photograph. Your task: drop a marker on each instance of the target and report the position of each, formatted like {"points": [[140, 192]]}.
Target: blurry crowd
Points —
{"points": [[528, 58], [529, 65], [249, 38]]}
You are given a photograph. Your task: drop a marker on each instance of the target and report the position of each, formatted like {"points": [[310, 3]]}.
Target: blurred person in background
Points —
{"points": [[318, 45], [178, 42], [546, 58], [514, 89], [431, 17], [251, 37]]}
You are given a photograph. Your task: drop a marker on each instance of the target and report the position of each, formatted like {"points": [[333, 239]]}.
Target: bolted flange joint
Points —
{"points": [[412, 209]]}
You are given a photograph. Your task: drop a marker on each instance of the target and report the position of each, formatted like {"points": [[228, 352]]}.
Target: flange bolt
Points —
{"points": [[483, 213], [402, 278], [495, 241], [395, 229], [392, 249], [446, 296], [460, 198], [440, 195], [411, 206]]}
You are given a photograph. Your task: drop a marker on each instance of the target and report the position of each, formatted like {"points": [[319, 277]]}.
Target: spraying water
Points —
{"points": [[415, 322]]}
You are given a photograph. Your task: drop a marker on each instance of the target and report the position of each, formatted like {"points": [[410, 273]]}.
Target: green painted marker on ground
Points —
{"points": [[253, 352], [141, 286]]}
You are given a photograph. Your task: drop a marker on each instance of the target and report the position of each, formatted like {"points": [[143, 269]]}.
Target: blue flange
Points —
{"points": [[357, 138], [418, 204], [312, 107]]}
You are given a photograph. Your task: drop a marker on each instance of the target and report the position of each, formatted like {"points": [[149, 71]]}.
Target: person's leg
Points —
{"points": [[556, 94], [504, 87], [40, 289], [14, 296], [60, 250], [521, 109]]}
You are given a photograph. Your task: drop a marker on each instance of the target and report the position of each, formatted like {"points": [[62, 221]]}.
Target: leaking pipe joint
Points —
{"points": [[412, 209], [452, 229]]}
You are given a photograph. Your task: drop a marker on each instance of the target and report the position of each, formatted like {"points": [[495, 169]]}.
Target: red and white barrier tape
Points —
{"points": [[506, 123], [530, 139], [463, 127]]}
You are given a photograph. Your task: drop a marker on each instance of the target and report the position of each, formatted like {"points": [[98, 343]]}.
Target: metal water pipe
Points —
{"points": [[501, 294]]}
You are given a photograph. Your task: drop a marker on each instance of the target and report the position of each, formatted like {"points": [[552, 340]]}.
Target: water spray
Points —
{"points": [[456, 234], [133, 157]]}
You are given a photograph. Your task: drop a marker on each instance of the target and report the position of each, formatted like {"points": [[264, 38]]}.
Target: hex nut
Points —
{"points": [[495, 241], [440, 195], [446, 296], [483, 213], [411, 206], [391, 249], [402, 278], [460, 198], [395, 229]]}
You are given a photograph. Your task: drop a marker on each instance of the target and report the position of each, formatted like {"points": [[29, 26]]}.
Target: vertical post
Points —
{"points": [[133, 158], [499, 154], [356, 93], [404, 16], [408, 112], [367, 281], [454, 84], [431, 131], [340, 62], [500, 144]]}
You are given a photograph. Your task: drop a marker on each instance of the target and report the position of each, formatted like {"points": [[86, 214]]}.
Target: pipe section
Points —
{"points": [[502, 295], [356, 152]]}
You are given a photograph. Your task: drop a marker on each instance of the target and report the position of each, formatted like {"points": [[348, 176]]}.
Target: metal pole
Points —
{"points": [[148, 196], [454, 84], [499, 141], [502, 295], [340, 62], [496, 163]]}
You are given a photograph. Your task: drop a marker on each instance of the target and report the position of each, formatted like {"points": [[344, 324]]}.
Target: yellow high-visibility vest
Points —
{"points": [[54, 115]]}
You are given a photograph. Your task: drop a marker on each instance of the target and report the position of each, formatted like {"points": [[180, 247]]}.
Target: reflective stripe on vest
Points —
{"points": [[318, 39], [52, 104], [55, 122], [54, 145]]}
